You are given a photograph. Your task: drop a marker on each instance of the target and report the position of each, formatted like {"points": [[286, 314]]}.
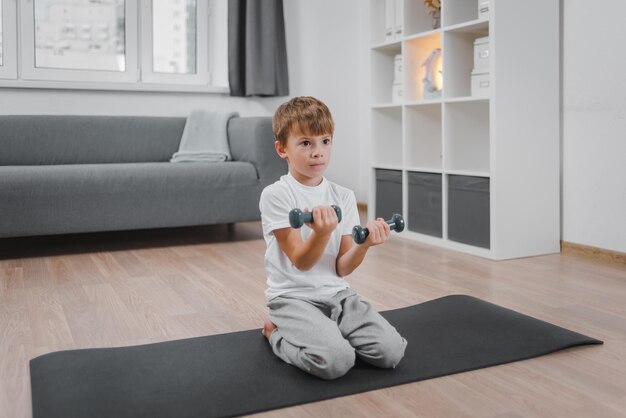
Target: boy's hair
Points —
{"points": [[305, 114]]}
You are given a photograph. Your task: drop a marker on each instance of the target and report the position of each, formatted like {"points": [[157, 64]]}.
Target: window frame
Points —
{"points": [[8, 69]]}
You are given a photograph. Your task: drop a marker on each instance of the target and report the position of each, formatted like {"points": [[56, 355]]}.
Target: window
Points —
{"points": [[117, 44]]}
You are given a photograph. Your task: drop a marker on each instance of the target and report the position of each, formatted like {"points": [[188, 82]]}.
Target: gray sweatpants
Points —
{"points": [[323, 337]]}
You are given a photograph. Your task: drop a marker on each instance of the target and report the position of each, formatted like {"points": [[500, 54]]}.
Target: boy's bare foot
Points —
{"points": [[268, 328]]}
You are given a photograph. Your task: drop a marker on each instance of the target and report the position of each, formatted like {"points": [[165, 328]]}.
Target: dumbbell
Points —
{"points": [[396, 223], [297, 217]]}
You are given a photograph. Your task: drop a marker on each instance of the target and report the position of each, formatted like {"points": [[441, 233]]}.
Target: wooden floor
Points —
{"points": [[126, 288]]}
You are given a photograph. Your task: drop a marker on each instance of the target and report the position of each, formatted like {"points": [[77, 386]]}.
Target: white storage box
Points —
{"points": [[397, 69], [393, 20], [390, 20], [483, 9], [481, 53], [397, 92], [480, 83]]}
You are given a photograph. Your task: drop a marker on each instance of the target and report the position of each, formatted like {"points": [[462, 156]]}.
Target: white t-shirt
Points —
{"points": [[277, 200]]}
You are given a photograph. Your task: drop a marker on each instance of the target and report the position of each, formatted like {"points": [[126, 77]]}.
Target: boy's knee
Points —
{"points": [[340, 360], [333, 363], [393, 352], [387, 353]]}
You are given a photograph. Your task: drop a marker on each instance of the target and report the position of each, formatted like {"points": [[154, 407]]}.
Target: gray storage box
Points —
{"points": [[468, 210], [425, 203], [388, 193]]}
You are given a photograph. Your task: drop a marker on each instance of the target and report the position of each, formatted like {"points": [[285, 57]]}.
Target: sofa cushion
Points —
{"points": [[48, 140], [53, 199]]}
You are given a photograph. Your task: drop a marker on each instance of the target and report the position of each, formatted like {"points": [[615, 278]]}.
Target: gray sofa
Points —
{"points": [[69, 174]]}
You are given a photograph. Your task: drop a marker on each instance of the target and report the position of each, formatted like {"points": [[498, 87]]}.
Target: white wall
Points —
{"points": [[329, 60], [594, 123]]}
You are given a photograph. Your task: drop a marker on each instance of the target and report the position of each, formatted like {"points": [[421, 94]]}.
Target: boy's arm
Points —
{"points": [[305, 254], [350, 257]]}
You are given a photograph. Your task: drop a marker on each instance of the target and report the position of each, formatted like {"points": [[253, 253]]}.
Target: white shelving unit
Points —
{"points": [[479, 174]]}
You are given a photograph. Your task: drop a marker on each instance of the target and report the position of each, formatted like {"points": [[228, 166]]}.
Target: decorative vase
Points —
{"points": [[436, 19]]}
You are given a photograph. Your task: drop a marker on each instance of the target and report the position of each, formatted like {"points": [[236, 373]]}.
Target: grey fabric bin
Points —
{"points": [[468, 210], [388, 192], [425, 203]]}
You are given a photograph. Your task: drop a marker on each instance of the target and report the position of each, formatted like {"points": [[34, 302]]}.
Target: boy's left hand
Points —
{"points": [[378, 232]]}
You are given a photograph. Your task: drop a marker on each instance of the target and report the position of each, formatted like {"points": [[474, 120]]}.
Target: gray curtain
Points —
{"points": [[257, 53]]}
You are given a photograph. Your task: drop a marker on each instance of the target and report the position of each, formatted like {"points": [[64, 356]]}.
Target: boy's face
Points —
{"points": [[308, 156]]}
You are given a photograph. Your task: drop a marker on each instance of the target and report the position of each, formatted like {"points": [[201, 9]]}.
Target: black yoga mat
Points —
{"points": [[236, 373]]}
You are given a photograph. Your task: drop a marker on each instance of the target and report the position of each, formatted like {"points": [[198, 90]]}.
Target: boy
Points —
{"points": [[317, 322]]}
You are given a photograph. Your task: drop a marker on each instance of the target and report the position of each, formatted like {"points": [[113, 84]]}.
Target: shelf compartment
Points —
{"points": [[417, 51], [423, 136], [425, 203], [387, 136], [466, 136], [458, 11], [468, 210], [382, 60], [416, 17], [458, 57], [388, 193]]}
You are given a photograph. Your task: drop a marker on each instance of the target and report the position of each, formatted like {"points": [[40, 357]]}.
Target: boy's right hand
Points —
{"points": [[324, 220], [305, 254]]}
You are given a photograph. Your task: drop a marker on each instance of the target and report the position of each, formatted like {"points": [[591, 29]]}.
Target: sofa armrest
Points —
{"points": [[251, 139]]}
